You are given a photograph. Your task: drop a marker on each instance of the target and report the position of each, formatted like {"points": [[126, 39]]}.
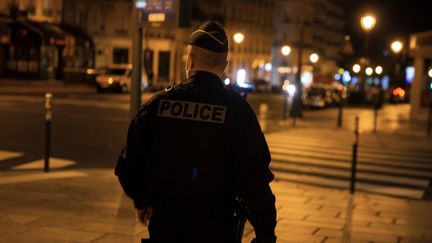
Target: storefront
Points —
{"points": [[36, 50]]}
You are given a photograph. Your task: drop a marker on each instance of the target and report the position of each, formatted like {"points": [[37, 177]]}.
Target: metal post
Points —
{"points": [[135, 94], [430, 117], [340, 114], [285, 104], [354, 156], [48, 119], [375, 117]]}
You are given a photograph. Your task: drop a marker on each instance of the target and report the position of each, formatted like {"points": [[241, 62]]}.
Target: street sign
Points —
{"points": [[159, 11]]}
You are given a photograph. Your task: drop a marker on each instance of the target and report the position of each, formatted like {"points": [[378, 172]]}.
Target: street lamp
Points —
{"points": [[368, 22], [314, 58], [396, 46], [430, 73], [356, 68], [238, 37], [378, 70], [286, 50], [369, 71]]}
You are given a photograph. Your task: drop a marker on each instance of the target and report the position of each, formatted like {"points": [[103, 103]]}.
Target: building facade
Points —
{"points": [[109, 24], [315, 26], [35, 44], [421, 89]]}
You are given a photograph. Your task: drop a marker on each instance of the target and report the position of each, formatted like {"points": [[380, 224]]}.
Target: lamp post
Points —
{"points": [[397, 47], [285, 50], [135, 94], [367, 23]]}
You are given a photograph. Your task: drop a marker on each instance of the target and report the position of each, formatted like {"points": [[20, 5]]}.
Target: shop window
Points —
{"points": [[121, 56]]}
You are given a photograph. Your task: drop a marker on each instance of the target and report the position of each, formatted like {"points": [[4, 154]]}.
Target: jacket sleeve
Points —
{"points": [[132, 159], [252, 159]]}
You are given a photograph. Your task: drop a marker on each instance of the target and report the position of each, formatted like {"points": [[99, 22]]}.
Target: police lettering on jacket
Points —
{"points": [[192, 111]]}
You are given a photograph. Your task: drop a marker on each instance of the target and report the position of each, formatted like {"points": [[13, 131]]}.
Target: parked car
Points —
{"points": [[116, 79], [322, 95]]}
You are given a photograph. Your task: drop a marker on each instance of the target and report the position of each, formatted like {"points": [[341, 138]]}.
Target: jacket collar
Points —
{"points": [[206, 79]]}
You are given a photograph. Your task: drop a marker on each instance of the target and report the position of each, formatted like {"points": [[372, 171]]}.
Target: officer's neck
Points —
{"points": [[209, 70]]}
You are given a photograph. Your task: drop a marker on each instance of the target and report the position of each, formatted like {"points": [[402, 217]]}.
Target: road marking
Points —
{"points": [[55, 163], [40, 177], [5, 155]]}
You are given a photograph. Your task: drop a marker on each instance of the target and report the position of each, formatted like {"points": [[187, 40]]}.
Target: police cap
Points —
{"points": [[211, 36]]}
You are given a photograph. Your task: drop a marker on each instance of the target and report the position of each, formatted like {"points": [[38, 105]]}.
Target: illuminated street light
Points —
{"points": [[286, 50], [314, 58], [430, 73], [238, 37], [369, 71], [368, 22], [396, 46], [140, 4], [378, 70], [356, 68]]}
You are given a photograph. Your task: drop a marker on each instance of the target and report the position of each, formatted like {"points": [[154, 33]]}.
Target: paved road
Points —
{"points": [[89, 131]]}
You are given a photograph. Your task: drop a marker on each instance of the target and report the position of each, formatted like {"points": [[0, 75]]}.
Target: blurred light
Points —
{"points": [[346, 77], [291, 89], [238, 37], [430, 73], [341, 71], [285, 85], [385, 53], [356, 68], [409, 77], [227, 81], [286, 50], [268, 67], [378, 70], [369, 71], [368, 22], [399, 92], [396, 46], [110, 80], [140, 4], [337, 76], [90, 71], [347, 37], [306, 79], [314, 58], [241, 77], [354, 80], [430, 85], [385, 82]]}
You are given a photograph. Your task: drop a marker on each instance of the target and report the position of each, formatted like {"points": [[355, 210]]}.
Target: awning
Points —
{"points": [[51, 33], [25, 31]]}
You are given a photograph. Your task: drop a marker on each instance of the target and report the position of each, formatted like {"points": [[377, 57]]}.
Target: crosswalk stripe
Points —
{"points": [[386, 165], [55, 163], [6, 155], [40, 177]]}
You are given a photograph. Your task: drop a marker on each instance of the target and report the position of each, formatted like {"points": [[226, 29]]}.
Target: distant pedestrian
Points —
{"points": [[193, 148]]}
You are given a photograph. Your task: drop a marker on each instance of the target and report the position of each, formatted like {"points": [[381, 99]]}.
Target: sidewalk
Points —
{"points": [[12, 86], [88, 205]]}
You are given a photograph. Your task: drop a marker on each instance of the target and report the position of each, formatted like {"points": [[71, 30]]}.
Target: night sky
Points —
{"points": [[395, 19]]}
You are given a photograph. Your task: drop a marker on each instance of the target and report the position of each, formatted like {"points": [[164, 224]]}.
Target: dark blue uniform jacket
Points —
{"points": [[190, 150]]}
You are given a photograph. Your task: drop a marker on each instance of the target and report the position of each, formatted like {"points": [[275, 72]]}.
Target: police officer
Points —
{"points": [[193, 148]]}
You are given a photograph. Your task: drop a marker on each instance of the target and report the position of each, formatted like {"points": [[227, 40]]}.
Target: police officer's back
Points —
{"points": [[193, 148]]}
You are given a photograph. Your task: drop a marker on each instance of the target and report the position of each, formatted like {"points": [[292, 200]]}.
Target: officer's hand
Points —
{"points": [[144, 215]]}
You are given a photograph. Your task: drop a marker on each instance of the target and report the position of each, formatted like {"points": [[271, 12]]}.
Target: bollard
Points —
{"points": [[430, 118], [263, 111], [48, 118], [285, 105], [354, 156], [340, 114], [375, 119]]}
